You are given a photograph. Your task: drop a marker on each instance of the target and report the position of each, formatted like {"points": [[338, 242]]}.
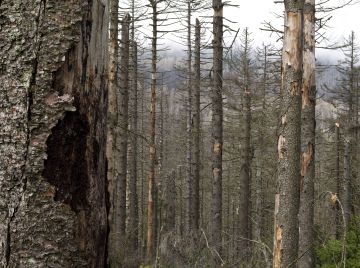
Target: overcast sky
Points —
{"points": [[253, 13]]}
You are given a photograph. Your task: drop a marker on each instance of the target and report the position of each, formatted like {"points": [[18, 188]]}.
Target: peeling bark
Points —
{"points": [[48, 68], [285, 250]]}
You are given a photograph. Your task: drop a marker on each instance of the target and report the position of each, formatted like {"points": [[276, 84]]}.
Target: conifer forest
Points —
{"points": [[179, 134]]}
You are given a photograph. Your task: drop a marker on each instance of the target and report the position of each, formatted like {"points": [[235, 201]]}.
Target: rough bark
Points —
{"points": [[286, 231], [245, 196], [260, 174], [123, 122], [150, 242], [133, 152], [217, 127], [112, 115], [306, 210], [196, 130], [190, 180], [52, 157]]}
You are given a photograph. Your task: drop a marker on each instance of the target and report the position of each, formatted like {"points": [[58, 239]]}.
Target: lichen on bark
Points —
{"points": [[38, 39]]}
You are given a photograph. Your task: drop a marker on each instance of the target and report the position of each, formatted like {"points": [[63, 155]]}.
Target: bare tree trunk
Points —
{"points": [[196, 130], [151, 179], [306, 211], [217, 127], [338, 182], [286, 233], [142, 170], [53, 134], [133, 154], [190, 179], [121, 144], [245, 196], [259, 197], [112, 116]]}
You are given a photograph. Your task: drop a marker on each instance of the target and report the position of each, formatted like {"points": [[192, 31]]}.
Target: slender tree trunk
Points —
{"points": [[133, 145], [338, 182], [122, 140], [133, 154], [217, 127], [196, 130], [111, 127], [286, 233], [259, 198], [190, 180], [142, 170], [245, 196], [150, 243], [306, 211], [53, 133]]}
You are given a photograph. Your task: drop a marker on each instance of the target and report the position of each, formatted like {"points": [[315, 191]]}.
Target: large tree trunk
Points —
{"points": [[217, 127], [306, 211], [286, 231], [52, 139]]}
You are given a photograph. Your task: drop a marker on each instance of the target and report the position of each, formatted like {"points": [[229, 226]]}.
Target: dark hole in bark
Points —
{"points": [[66, 166]]}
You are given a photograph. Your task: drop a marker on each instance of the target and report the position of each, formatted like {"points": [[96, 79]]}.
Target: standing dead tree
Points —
{"points": [[217, 127], [286, 231], [306, 211]]}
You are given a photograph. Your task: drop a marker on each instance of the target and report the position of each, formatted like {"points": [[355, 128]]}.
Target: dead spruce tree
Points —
{"points": [[196, 129], [112, 115], [286, 231], [150, 242], [52, 138], [133, 214], [122, 132], [306, 211], [133, 229], [217, 127]]}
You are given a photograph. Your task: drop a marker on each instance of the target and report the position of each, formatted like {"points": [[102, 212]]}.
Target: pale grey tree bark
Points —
{"points": [[150, 242], [286, 233], [112, 115], [52, 145], [122, 138]]}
